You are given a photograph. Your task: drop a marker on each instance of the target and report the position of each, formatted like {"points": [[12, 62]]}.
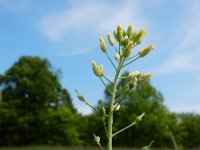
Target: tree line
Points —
{"points": [[36, 110]]}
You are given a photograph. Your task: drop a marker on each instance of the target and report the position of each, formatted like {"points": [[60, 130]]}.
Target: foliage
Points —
{"points": [[34, 108], [191, 124]]}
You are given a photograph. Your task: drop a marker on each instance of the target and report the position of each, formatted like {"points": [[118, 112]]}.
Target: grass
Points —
{"points": [[58, 148]]}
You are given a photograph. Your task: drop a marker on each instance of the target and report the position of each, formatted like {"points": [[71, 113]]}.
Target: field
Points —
{"points": [[59, 148]]}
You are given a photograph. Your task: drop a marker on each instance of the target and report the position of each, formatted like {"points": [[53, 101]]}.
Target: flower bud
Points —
{"points": [[139, 118], [127, 50], [134, 74], [110, 39], [119, 33], [125, 42], [79, 96], [145, 51], [97, 139], [144, 77], [117, 56], [117, 107], [129, 31], [115, 34], [98, 71], [124, 33], [103, 44], [139, 36], [119, 28]]}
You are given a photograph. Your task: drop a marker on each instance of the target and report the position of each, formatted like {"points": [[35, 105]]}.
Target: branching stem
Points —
{"points": [[130, 125], [105, 85], [111, 60], [131, 61]]}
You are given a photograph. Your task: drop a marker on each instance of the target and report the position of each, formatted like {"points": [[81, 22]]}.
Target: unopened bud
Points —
{"points": [[117, 56], [132, 84], [127, 50], [119, 33], [124, 33], [129, 31], [125, 42], [110, 39], [79, 96], [139, 36], [145, 51], [119, 28], [144, 77], [98, 71], [134, 74], [139, 118], [117, 107], [103, 44], [97, 139]]}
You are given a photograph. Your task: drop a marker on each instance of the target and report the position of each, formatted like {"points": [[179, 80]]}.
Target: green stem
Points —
{"points": [[130, 125], [110, 118], [105, 85], [111, 60], [107, 79], [105, 128], [131, 61], [115, 49], [129, 58]]}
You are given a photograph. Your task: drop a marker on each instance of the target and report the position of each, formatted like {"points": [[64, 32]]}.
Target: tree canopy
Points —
{"points": [[34, 105]]}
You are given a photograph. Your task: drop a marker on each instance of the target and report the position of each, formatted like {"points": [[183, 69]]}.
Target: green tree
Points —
{"points": [[35, 108], [191, 124]]}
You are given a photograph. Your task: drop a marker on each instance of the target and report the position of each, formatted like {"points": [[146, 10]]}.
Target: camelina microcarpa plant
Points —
{"points": [[122, 43]]}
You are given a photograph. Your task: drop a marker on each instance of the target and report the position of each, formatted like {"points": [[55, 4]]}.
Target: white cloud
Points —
{"points": [[90, 18], [184, 46]]}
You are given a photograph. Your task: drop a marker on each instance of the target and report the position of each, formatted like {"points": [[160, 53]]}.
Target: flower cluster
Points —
{"points": [[123, 41]]}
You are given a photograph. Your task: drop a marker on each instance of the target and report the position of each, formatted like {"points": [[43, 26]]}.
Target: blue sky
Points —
{"points": [[67, 33]]}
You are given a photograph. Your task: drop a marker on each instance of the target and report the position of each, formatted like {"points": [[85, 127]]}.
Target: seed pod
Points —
{"points": [[145, 51], [110, 39], [103, 44]]}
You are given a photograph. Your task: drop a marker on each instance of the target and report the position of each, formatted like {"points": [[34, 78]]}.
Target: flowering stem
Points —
{"points": [[107, 79], [130, 125], [111, 60], [115, 49], [131, 61], [84, 101], [105, 85], [131, 57], [110, 118]]}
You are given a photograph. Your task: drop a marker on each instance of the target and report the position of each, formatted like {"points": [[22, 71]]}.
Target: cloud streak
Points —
{"points": [[184, 47], [89, 19], [92, 16]]}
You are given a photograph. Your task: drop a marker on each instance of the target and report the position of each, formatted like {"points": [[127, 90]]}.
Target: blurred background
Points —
{"points": [[46, 49]]}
